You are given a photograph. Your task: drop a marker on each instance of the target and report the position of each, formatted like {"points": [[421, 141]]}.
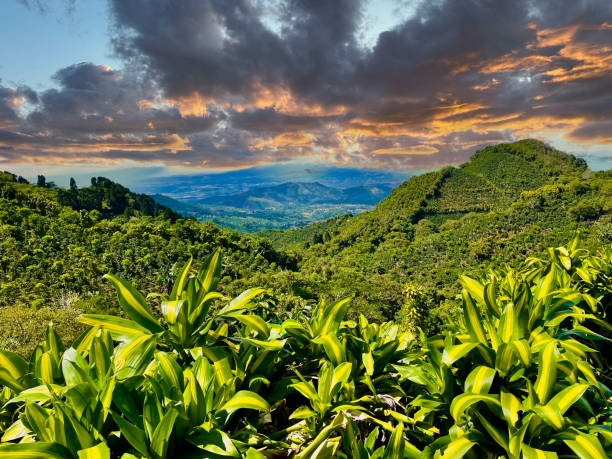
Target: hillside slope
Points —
{"points": [[510, 201]]}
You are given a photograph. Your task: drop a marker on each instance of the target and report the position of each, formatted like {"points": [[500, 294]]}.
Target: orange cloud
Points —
{"points": [[415, 150]]}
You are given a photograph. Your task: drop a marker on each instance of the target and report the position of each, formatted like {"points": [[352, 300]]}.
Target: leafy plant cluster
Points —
{"points": [[521, 373]]}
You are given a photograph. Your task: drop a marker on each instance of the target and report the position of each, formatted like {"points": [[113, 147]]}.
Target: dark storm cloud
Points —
{"points": [[234, 83]]}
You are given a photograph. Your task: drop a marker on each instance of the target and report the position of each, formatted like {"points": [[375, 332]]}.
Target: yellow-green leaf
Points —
{"points": [[461, 402], [134, 304], [479, 380], [246, 399], [586, 446]]}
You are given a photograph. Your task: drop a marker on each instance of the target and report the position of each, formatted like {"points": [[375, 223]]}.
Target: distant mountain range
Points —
{"points": [[196, 187], [287, 205], [300, 194]]}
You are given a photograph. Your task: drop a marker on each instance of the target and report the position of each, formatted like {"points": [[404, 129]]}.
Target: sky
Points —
{"points": [[206, 85]]}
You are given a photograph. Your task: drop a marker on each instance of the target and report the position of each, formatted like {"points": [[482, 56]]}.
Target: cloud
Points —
{"points": [[233, 84]]}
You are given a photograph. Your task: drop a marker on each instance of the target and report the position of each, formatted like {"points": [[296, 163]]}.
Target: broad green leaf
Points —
{"points": [[100, 451], [179, 283], [471, 316], [567, 397], [368, 362], [507, 324], [302, 412], [457, 449], [307, 389], [134, 304], [133, 434], [215, 442], [497, 434], [254, 322], [38, 450], [15, 431], [550, 414], [450, 356], [586, 446], [170, 370], [241, 301], [132, 357], [12, 368], [334, 315], [547, 372], [271, 345], [522, 351], [246, 399], [210, 271], [461, 402], [533, 453], [474, 287], [163, 431], [510, 407], [395, 447], [333, 348], [119, 328], [479, 380]]}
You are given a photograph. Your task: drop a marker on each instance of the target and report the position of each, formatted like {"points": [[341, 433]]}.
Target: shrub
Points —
{"points": [[520, 375]]}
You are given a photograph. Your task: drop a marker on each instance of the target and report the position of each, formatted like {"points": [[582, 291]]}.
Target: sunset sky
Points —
{"points": [[216, 84]]}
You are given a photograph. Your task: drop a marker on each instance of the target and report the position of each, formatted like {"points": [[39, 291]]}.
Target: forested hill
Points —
{"points": [[508, 202]]}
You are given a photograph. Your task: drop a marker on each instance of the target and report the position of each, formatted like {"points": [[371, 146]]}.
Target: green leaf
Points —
{"points": [[120, 329], [567, 397], [461, 402], [163, 431], [395, 447], [215, 441], [246, 399], [133, 434], [100, 451], [179, 283], [510, 407], [169, 370], [474, 287], [586, 446], [254, 322], [457, 448], [12, 368], [480, 379], [522, 351], [368, 362], [38, 450], [508, 324], [547, 372], [134, 304], [133, 357], [533, 453], [241, 301], [210, 271], [471, 316], [451, 355], [333, 348], [333, 315]]}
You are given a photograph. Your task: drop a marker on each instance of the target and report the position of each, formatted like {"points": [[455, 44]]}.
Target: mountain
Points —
{"points": [[199, 186], [288, 205], [300, 194], [509, 201]]}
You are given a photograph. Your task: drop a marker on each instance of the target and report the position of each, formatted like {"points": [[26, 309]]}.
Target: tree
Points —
{"points": [[41, 181], [73, 184]]}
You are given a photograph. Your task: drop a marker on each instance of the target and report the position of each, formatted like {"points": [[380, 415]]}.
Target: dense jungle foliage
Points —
{"points": [[523, 372]]}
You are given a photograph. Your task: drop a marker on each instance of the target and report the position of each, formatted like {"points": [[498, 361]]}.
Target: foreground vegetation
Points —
{"points": [[521, 373]]}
